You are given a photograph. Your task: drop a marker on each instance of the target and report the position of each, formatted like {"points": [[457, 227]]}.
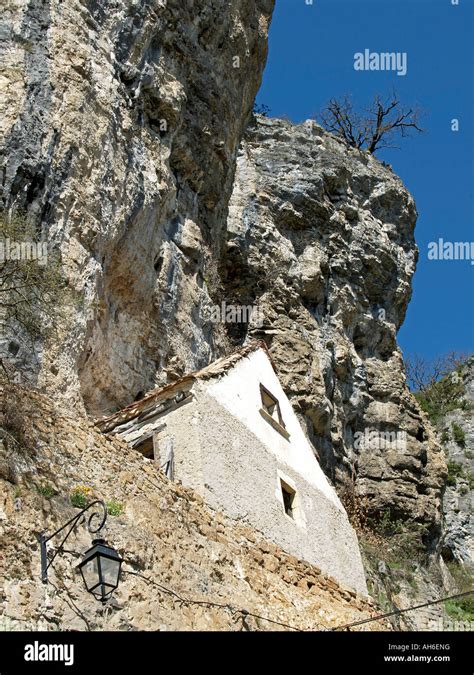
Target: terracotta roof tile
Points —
{"points": [[155, 396]]}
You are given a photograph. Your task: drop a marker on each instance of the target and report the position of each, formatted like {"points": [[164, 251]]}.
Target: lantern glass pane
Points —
{"points": [[110, 571], [90, 572]]}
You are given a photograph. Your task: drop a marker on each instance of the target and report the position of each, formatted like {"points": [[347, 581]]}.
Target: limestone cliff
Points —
{"points": [[320, 236], [120, 126], [400, 575], [456, 433]]}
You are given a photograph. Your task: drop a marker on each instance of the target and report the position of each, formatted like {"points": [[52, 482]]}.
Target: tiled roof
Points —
{"points": [[156, 396]]}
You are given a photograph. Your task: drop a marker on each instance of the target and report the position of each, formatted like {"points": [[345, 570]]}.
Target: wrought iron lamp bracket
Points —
{"points": [[100, 513]]}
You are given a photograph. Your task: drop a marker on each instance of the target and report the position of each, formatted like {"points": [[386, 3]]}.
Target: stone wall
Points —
{"points": [[165, 532]]}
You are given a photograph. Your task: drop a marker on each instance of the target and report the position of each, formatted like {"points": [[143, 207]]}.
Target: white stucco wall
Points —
{"points": [[231, 455], [239, 393]]}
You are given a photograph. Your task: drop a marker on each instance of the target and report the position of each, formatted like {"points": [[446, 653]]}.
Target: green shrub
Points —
{"points": [[80, 496], [114, 508], [461, 609], [458, 435], [403, 539], [455, 471], [441, 397], [46, 491], [79, 500], [463, 576], [16, 411], [445, 437], [33, 291]]}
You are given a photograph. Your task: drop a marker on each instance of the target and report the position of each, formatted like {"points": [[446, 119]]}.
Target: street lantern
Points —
{"points": [[101, 565], [100, 569]]}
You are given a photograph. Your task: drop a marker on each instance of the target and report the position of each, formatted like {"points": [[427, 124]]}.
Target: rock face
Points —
{"points": [[120, 125], [320, 237], [458, 503]]}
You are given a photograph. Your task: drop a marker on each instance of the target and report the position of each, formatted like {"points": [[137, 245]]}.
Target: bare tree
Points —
{"points": [[424, 373], [376, 127], [437, 384]]}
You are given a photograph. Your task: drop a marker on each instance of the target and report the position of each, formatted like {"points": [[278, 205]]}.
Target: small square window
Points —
{"points": [[271, 406], [288, 495], [146, 448]]}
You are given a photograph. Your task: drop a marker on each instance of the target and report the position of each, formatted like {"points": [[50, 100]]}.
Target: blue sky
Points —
{"points": [[311, 59]]}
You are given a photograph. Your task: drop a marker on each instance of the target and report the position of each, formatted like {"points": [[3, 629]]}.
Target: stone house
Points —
{"points": [[229, 432]]}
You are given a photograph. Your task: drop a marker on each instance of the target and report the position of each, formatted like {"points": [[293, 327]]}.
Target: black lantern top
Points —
{"points": [[100, 569]]}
